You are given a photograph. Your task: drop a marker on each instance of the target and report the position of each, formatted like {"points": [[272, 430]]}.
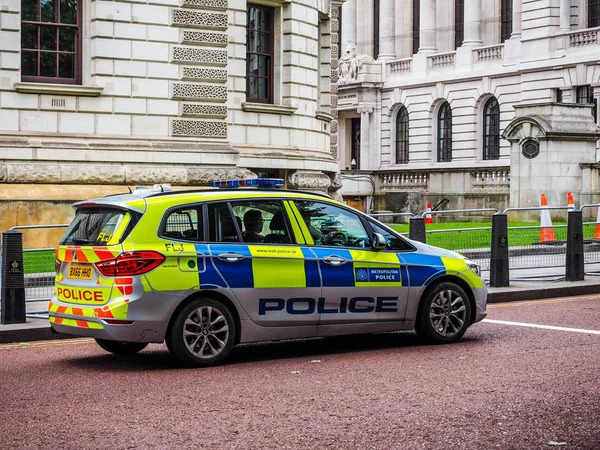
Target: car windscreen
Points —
{"points": [[98, 227]]}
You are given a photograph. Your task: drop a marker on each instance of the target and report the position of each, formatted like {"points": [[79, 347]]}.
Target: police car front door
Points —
{"points": [[263, 266], [359, 284]]}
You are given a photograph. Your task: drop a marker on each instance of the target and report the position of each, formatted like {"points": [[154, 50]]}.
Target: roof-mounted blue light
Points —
{"points": [[254, 182]]}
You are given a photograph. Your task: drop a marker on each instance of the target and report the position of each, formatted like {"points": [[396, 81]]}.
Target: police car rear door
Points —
{"points": [[359, 284]]}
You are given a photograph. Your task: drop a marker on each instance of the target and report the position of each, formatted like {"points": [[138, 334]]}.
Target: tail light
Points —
{"points": [[131, 263], [57, 264]]}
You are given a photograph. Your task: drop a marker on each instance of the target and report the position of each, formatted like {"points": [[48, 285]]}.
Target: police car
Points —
{"points": [[247, 262]]}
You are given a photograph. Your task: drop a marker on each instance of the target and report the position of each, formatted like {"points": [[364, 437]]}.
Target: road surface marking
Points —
{"points": [[536, 302], [545, 327], [46, 343]]}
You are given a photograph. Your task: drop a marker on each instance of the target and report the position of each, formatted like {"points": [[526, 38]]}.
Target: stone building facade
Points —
{"points": [[98, 95], [437, 85]]}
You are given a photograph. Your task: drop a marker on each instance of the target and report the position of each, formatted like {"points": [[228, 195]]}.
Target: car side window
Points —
{"points": [[393, 242], [221, 225], [184, 224], [263, 221], [330, 225]]}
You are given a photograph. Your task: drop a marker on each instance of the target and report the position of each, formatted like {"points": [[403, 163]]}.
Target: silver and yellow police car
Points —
{"points": [[248, 262]]}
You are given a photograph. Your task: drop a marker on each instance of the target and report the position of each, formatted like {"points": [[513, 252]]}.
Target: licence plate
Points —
{"points": [[80, 272]]}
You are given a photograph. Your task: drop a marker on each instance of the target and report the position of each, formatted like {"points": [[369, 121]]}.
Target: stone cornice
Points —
{"points": [[58, 89], [267, 108], [324, 115]]}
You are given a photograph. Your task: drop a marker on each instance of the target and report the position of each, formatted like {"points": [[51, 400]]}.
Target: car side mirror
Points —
{"points": [[379, 242]]}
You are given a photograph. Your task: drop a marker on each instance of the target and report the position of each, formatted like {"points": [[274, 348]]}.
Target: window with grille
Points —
{"points": [[416, 25], [585, 96], [593, 13], [459, 22], [444, 133], [491, 129], [259, 53], [506, 12], [375, 28], [402, 136], [50, 41]]}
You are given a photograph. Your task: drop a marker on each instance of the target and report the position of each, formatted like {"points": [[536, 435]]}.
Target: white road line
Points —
{"points": [[545, 327]]}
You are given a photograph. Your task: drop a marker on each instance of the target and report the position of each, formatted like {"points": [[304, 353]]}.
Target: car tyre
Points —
{"points": [[202, 333], [444, 314], [121, 348]]}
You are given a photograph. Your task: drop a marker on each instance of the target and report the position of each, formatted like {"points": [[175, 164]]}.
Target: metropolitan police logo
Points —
{"points": [[362, 274]]}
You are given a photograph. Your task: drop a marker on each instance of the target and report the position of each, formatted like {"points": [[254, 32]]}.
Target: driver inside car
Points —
{"points": [[332, 233]]}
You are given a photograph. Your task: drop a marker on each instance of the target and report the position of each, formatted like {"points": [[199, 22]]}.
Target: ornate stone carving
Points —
{"points": [[211, 92], [309, 180], [204, 74], [199, 128], [205, 176], [211, 4], [199, 55], [204, 37], [198, 19], [350, 64], [202, 110]]}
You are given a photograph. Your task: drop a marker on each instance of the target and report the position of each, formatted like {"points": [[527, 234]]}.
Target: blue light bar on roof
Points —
{"points": [[255, 182]]}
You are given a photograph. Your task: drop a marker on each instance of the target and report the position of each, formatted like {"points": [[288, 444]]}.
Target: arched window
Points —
{"points": [[491, 129], [506, 13], [444, 133], [402, 136], [593, 13]]}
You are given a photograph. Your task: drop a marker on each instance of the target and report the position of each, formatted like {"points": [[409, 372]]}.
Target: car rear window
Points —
{"points": [[98, 226]]}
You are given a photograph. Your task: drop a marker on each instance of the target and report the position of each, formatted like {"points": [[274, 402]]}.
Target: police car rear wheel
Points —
{"points": [[445, 314], [121, 348], [203, 333]]}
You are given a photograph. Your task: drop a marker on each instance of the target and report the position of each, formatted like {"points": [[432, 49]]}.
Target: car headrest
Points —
{"points": [[277, 222]]}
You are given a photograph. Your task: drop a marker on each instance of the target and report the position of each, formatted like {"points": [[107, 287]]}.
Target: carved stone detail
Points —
{"points": [[199, 128], [198, 19], [349, 65], [210, 92], [204, 74], [199, 56], [309, 181], [202, 110], [210, 4], [204, 37]]}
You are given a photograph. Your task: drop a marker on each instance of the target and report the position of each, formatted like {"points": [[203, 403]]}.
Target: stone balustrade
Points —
{"points": [[492, 178], [442, 60], [583, 38], [400, 65], [402, 181], [489, 53]]}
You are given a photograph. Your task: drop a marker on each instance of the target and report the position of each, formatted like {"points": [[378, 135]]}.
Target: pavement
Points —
{"points": [[548, 284]]}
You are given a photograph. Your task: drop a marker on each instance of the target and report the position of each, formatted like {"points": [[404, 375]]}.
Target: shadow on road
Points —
{"points": [[157, 357]]}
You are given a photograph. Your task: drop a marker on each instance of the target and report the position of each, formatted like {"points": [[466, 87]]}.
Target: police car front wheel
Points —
{"points": [[444, 314], [203, 333], [121, 348]]}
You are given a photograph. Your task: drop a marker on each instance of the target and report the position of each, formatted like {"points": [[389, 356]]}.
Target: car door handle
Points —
{"points": [[334, 260], [230, 257]]}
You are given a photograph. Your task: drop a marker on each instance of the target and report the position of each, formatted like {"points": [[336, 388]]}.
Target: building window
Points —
{"points": [[593, 13], [416, 25], [559, 95], [375, 28], [444, 133], [491, 129], [50, 41], [506, 13], [402, 136], [585, 96], [259, 53], [459, 22]]}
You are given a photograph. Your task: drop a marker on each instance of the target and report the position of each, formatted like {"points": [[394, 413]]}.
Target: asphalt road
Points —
{"points": [[504, 386]]}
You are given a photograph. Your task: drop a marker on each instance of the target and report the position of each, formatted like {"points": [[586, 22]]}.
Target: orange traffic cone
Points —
{"points": [[546, 230], [570, 201], [597, 233], [428, 218]]}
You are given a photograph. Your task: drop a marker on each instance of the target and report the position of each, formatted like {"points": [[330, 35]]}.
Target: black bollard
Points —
{"points": [[417, 229], [575, 270], [13, 280], [499, 268]]}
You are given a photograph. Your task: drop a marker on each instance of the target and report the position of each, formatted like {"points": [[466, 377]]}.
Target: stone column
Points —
{"points": [[565, 15], [427, 27], [365, 112], [516, 19], [348, 24], [473, 23], [387, 33], [364, 27]]}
